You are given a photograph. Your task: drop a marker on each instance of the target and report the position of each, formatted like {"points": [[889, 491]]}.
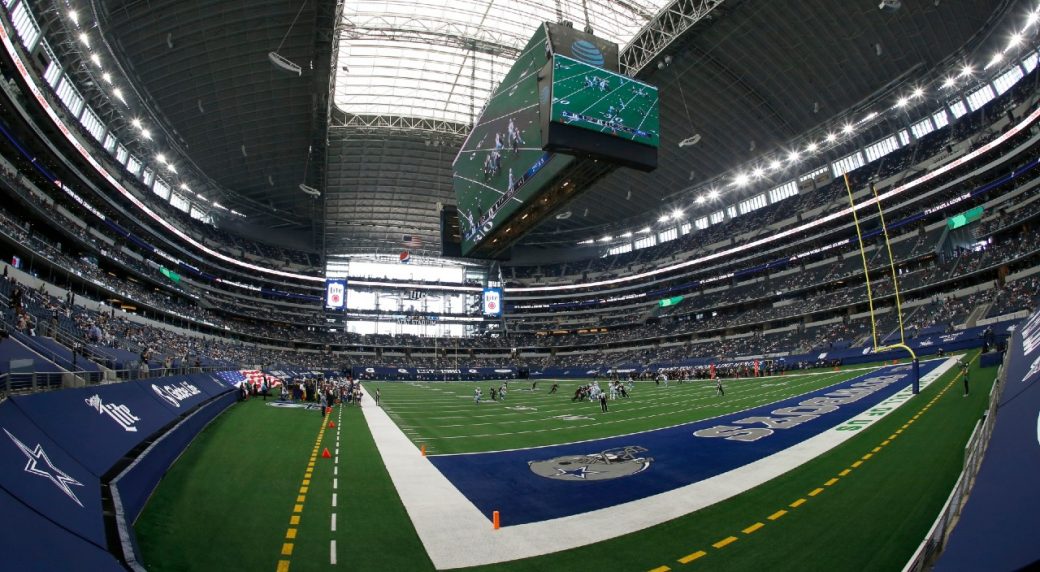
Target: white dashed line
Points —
{"points": [[333, 499], [333, 522], [332, 552]]}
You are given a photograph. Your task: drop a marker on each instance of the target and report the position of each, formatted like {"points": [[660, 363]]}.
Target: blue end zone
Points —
{"points": [[543, 483]]}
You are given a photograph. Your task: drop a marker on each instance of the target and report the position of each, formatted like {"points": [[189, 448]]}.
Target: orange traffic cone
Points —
{"points": [[325, 454], [332, 423]]}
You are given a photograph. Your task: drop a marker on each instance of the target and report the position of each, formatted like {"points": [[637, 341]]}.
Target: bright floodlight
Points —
{"points": [[701, 199], [1015, 40], [677, 214], [831, 137], [757, 173], [96, 59], [713, 194], [83, 37], [628, 234], [741, 179], [160, 158], [606, 239], [793, 156], [847, 128], [146, 134], [948, 82], [902, 102], [774, 164], [107, 77], [74, 17], [966, 71], [996, 59], [663, 218], [812, 147], [918, 92]]}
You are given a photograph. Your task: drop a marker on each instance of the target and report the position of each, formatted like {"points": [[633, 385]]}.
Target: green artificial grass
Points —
{"points": [[443, 416], [226, 504]]}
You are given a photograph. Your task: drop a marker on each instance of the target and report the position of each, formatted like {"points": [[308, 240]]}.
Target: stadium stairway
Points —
{"points": [[81, 370], [26, 369], [977, 314]]}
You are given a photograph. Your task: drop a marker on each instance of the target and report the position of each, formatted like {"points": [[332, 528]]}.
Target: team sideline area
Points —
{"points": [[882, 487]]}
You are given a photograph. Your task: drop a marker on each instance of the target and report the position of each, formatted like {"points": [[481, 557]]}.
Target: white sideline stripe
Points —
{"points": [[332, 552], [333, 527], [333, 499], [432, 501]]}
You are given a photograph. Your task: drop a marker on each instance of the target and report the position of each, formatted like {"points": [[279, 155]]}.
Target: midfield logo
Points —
{"points": [[174, 394], [610, 464], [119, 413], [60, 479]]}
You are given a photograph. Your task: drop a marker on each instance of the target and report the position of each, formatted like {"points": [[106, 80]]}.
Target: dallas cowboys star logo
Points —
{"points": [[578, 473], [56, 475]]}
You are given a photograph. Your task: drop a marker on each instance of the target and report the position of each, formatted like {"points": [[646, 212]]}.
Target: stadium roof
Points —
{"points": [[747, 77], [440, 59]]}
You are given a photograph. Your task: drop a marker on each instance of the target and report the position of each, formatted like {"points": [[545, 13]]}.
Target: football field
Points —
{"points": [[253, 492], [596, 99]]}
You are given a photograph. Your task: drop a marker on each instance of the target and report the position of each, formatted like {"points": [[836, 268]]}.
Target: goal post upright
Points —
{"points": [[916, 381]]}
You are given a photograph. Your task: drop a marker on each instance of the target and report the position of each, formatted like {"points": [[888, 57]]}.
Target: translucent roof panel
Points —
{"points": [[441, 59]]}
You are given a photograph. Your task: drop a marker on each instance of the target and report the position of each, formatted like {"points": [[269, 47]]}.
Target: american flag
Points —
{"points": [[411, 241], [254, 377]]}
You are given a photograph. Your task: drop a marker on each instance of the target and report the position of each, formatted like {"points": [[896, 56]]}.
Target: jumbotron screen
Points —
{"points": [[605, 102], [502, 165]]}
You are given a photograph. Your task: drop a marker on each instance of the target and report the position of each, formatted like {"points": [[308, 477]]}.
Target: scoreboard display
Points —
{"points": [[604, 102], [560, 118], [502, 165]]}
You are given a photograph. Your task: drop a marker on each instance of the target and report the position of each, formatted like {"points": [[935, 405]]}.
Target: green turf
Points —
{"points": [[444, 417], [873, 518], [226, 502]]}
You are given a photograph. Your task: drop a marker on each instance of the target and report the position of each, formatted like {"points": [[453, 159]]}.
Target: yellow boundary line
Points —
{"points": [[301, 499], [816, 491]]}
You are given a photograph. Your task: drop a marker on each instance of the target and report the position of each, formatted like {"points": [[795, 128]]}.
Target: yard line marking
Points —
{"points": [[287, 549], [658, 569], [686, 559], [797, 503], [856, 464], [290, 534], [335, 483], [333, 522], [333, 499], [335, 470], [777, 514], [755, 526], [830, 482], [294, 519], [332, 552], [867, 456], [815, 491], [844, 472], [725, 542], [875, 449], [283, 566]]}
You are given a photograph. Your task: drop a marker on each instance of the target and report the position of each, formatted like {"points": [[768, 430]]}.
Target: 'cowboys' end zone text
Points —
{"points": [[788, 417]]}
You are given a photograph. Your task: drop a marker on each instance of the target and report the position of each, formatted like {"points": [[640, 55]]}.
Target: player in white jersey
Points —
{"points": [[476, 396]]}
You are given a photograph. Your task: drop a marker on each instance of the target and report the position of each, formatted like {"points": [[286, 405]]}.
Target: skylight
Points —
{"points": [[441, 59]]}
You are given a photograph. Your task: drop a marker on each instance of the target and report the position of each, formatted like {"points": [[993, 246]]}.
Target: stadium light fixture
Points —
{"points": [[847, 128], [902, 102], [606, 239], [700, 199], [948, 82], [161, 158], [664, 218], [831, 138], [644, 230], [774, 164], [107, 77], [966, 70], [677, 214], [146, 134], [136, 123], [85, 39], [96, 59], [793, 156], [1032, 18], [1015, 40], [812, 147], [741, 180], [996, 59], [119, 94], [184, 187], [758, 172], [74, 16], [918, 92], [627, 234], [713, 194]]}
